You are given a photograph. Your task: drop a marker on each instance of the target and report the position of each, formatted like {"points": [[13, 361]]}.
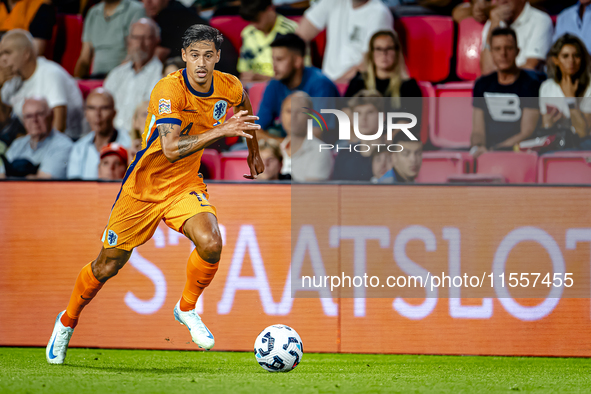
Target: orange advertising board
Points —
{"points": [[49, 230]]}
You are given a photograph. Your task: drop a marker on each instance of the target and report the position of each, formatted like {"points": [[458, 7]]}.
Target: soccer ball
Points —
{"points": [[278, 348]]}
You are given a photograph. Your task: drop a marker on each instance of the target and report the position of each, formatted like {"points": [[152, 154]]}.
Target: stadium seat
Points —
{"points": [[451, 116], [211, 159], [255, 92], [565, 167], [516, 167], [70, 38], [468, 51], [230, 26], [87, 85], [342, 88], [428, 45], [428, 101], [234, 165], [476, 178], [438, 165]]}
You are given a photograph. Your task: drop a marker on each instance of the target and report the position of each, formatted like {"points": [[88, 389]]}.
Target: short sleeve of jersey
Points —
{"points": [[234, 90], [167, 101]]}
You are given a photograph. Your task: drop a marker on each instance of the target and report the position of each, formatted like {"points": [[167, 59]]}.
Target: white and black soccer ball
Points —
{"points": [[278, 348]]}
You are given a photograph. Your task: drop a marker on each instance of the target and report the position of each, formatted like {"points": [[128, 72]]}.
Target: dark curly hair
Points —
{"points": [[198, 33]]}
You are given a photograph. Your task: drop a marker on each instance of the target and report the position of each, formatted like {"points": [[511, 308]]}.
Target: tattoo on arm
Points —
{"points": [[187, 144], [164, 130]]}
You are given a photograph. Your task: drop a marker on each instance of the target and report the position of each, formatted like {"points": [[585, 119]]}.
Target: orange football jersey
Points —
{"points": [[151, 177]]}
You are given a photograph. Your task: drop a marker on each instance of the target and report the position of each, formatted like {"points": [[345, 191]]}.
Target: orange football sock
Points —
{"points": [[84, 291], [199, 275]]}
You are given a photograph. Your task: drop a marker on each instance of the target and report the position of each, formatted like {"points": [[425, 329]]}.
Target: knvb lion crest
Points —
{"points": [[219, 110], [164, 107]]}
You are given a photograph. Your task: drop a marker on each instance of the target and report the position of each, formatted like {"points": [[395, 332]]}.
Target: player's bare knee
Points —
{"points": [[209, 247], [108, 264]]}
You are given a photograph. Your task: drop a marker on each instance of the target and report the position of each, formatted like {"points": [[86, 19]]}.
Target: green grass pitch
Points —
{"points": [[24, 370]]}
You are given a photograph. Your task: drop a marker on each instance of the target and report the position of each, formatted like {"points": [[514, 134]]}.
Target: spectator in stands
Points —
{"points": [[41, 154], [406, 164], [113, 162], [349, 26], [106, 27], [306, 162], [290, 75], [137, 128], [380, 164], [350, 164], [565, 98], [477, 9], [505, 102], [36, 16], [575, 20], [172, 64], [23, 74], [132, 82], [100, 112], [534, 34], [271, 156], [255, 62], [385, 71]]}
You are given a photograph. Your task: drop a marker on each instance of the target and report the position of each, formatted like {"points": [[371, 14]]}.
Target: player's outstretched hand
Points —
{"points": [[237, 124]]}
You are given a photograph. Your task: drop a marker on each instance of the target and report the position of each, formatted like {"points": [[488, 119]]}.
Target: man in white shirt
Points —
{"points": [[100, 112], [42, 153], [302, 157], [534, 34], [349, 25], [575, 20], [131, 83], [23, 75]]}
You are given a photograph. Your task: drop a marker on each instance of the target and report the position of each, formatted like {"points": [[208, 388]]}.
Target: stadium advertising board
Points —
{"points": [[49, 230]]}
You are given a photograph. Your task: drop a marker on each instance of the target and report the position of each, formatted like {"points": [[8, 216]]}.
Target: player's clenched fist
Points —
{"points": [[239, 123]]}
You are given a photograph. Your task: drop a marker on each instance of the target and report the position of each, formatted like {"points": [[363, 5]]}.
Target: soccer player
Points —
{"points": [[186, 113]]}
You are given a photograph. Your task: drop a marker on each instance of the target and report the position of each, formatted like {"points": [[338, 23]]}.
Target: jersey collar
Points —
{"points": [[196, 93]]}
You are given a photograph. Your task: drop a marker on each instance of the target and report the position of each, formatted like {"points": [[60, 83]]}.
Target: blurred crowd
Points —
{"points": [[534, 93]]}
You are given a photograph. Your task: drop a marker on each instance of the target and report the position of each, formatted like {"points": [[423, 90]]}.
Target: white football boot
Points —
{"points": [[199, 332], [58, 343]]}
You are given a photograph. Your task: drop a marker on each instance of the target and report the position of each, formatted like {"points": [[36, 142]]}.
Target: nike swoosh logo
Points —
{"points": [[51, 355], [206, 205], [87, 299], [190, 110], [209, 334]]}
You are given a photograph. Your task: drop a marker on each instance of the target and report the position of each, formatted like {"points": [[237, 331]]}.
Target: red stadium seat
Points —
{"points": [[565, 167], [255, 92], [428, 101], [516, 167], [468, 51], [211, 159], [71, 26], [438, 165], [451, 116], [428, 45], [88, 85], [234, 165], [231, 27], [476, 178]]}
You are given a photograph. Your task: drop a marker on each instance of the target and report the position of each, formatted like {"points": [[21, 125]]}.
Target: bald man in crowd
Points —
{"points": [[23, 75], [42, 153], [133, 81], [100, 113]]}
